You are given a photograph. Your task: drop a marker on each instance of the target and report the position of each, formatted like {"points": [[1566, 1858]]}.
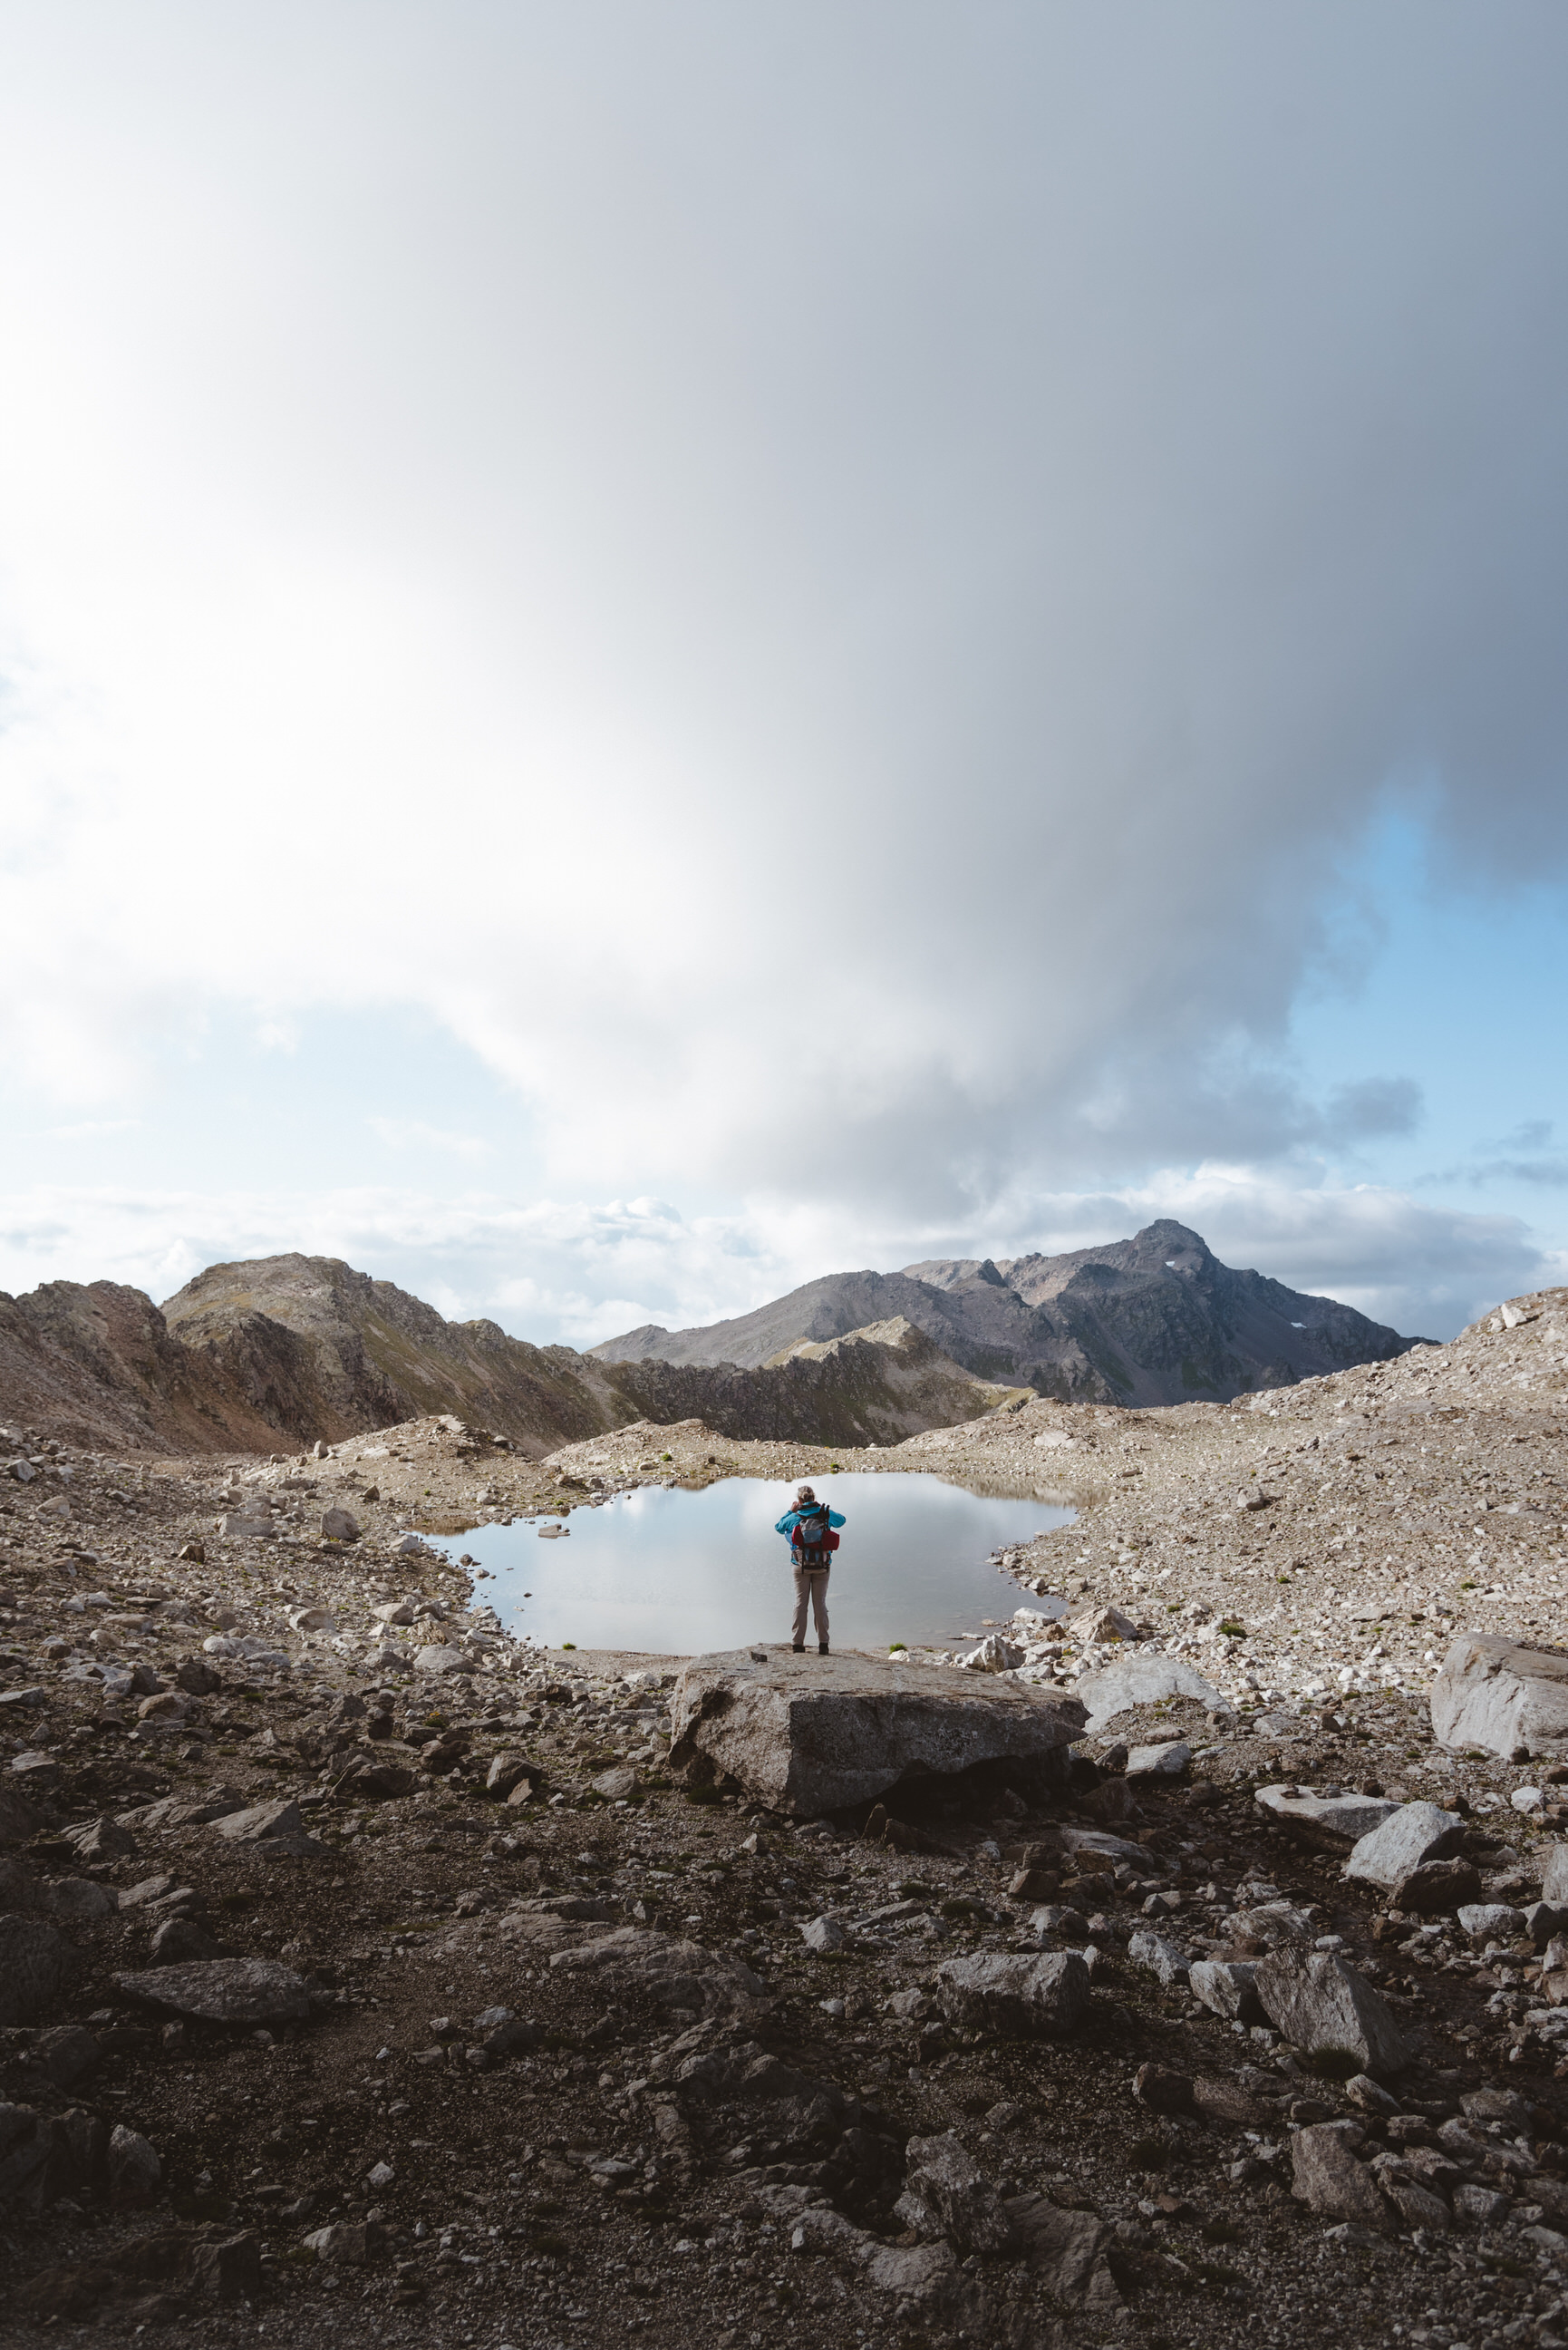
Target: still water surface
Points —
{"points": [[677, 1572]]}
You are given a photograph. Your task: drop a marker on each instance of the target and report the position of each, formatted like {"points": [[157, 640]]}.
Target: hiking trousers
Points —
{"points": [[810, 1589]]}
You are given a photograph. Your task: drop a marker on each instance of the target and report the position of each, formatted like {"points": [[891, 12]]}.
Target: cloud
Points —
{"points": [[413, 1134], [828, 590]]}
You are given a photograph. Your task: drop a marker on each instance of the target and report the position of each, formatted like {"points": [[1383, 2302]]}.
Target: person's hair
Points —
{"points": [[804, 1493]]}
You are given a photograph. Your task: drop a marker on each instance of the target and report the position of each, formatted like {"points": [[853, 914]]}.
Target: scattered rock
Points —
{"points": [[948, 2182], [1326, 2177], [1165, 1761], [1227, 1987], [1143, 1680], [338, 1526], [275, 1828], [1410, 1836], [824, 1934], [223, 1990], [36, 1964], [1018, 1995], [135, 2173], [1158, 1958], [1333, 1822], [994, 1655], [100, 1840], [1320, 2005]]}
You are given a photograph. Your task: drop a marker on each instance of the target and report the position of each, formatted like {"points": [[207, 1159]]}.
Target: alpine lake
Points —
{"points": [[674, 1572]]}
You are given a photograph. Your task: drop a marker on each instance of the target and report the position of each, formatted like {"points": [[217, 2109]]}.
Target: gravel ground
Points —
{"points": [[628, 2161]]}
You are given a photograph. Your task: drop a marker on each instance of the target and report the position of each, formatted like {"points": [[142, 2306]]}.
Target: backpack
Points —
{"points": [[815, 1545]]}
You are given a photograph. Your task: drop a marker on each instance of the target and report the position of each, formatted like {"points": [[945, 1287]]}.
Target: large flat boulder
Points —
{"points": [[1334, 1823], [1500, 1695], [812, 1734]]}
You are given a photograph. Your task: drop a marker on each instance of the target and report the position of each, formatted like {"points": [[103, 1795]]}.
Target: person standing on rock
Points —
{"points": [[811, 1526]]}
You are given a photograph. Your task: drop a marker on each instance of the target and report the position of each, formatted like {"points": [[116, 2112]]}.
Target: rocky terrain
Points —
{"points": [[1155, 1319], [364, 1970], [306, 1347]]}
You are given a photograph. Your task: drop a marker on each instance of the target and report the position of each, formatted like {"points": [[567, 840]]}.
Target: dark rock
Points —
{"points": [[223, 1990], [950, 2183], [1323, 2005], [1327, 2178], [1016, 1994], [36, 1963], [135, 2173], [1161, 2090], [1437, 1888]]}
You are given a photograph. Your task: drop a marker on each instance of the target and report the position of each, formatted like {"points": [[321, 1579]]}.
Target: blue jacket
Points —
{"points": [[792, 1518]]}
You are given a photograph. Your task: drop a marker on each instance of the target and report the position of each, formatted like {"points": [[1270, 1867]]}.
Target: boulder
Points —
{"points": [[1143, 1678], [994, 1655], [100, 1839], [1320, 2005], [1067, 2251], [81, 1899], [1554, 1876], [636, 1963], [1413, 1834], [1336, 1822], [338, 1526], [1168, 1761], [824, 1934], [616, 1786], [20, 1817], [1158, 1958], [1162, 2090], [950, 2183], [1484, 1920], [274, 1828], [35, 1965], [1326, 2177], [135, 2173], [1500, 1695], [1017, 1994], [1227, 1987], [223, 1990], [1516, 2113], [441, 1658], [809, 1737], [1438, 1886]]}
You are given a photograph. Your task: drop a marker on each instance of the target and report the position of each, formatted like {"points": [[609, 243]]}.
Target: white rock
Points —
{"points": [[1143, 1680], [1412, 1834], [1168, 1761], [994, 1655], [1498, 1695]]}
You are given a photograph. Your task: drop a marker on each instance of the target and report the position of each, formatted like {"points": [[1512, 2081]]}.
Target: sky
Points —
{"points": [[646, 653]]}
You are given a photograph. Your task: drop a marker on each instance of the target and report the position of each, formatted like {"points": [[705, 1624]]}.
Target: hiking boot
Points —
{"points": [[822, 1647], [800, 1648]]}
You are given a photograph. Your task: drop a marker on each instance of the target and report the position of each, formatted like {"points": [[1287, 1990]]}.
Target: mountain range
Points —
{"points": [[301, 1348], [1155, 1319]]}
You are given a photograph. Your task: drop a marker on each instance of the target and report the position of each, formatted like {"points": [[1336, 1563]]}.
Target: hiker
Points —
{"points": [[812, 1541]]}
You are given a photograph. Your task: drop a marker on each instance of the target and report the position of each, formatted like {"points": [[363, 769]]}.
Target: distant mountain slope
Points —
{"points": [[296, 1348], [1154, 1319]]}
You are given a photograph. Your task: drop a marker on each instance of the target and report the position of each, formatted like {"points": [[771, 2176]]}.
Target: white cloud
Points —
{"points": [[413, 1134], [734, 587]]}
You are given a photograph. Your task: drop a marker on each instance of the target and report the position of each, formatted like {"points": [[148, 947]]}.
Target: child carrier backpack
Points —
{"points": [[813, 1537]]}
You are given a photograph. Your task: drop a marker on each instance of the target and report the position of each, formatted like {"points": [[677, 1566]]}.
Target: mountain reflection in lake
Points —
{"points": [[677, 1572]]}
